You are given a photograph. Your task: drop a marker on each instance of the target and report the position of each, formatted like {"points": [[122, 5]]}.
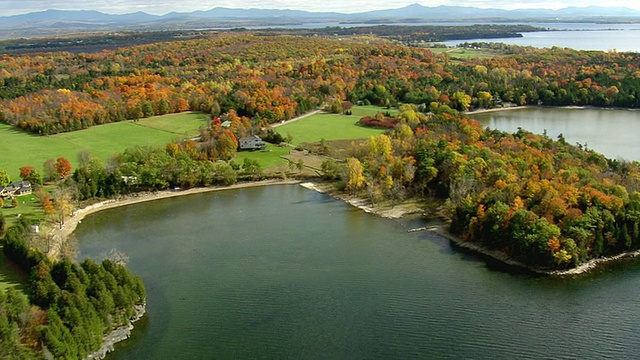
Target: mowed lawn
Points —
{"points": [[328, 127], [185, 124], [20, 148]]}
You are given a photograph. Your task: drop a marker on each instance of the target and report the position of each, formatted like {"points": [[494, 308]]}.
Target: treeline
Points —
{"points": [[180, 165], [70, 307], [273, 78], [416, 33], [542, 201]]}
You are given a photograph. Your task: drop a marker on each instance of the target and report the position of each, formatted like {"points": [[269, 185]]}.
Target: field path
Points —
{"points": [[296, 118]]}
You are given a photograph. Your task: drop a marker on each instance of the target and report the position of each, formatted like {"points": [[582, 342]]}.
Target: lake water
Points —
{"points": [[604, 37], [613, 133], [283, 272]]}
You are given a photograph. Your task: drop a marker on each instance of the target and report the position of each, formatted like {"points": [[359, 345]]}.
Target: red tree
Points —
{"points": [[63, 167], [25, 171]]}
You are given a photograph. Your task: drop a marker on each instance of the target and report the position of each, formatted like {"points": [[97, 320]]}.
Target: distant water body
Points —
{"points": [[604, 37], [579, 36]]}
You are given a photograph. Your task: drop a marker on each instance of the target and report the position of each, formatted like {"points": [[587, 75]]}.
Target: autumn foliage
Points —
{"points": [[274, 78], [63, 167]]}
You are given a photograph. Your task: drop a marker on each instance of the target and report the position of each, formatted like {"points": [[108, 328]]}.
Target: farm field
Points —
{"points": [[20, 148]]}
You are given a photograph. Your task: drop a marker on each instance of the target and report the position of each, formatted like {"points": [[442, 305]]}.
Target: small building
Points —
{"points": [[130, 180], [16, 189], [253, 142]]}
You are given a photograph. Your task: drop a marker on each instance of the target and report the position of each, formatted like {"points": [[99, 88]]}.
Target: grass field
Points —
{"points": [[462, 53], [269, 157], [185, 124], [27, 204], [20, 148], [330, 127]]}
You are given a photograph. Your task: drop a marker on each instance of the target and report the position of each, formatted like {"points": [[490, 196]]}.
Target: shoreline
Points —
{"points": [[400, 210], [503, 258], [517, 107], [396, 212], [117, 335]]}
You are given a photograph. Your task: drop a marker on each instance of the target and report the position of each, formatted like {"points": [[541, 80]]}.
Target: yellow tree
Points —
{"points": [[355, 175], [484, 99], [63, 205], [461, 100]]}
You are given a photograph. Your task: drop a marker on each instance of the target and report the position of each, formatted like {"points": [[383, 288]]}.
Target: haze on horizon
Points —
{"points": [[161, 7]]}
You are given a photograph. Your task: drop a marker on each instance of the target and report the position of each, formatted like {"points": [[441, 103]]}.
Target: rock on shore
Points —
{"points": [[117, 335]]}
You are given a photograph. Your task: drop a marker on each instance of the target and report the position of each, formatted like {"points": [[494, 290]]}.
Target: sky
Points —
{"points": [[160, 7]]}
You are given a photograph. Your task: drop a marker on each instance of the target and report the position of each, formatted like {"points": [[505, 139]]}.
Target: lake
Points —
{"points": [[604, 37], [288, 273], [613, 133]]}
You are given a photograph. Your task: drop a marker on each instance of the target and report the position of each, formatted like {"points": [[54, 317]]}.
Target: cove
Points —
{"points": [[285, 272], [612, 132]]}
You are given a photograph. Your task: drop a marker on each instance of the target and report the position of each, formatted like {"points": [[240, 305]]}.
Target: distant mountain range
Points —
{"points": [[58, 21]]}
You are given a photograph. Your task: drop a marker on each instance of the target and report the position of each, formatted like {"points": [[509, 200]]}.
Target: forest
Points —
{"points": [[70, 307], [272, 78]]}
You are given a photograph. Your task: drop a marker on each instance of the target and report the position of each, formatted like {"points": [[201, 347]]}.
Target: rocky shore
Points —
{"points": [[117, 335], [382, 210]]}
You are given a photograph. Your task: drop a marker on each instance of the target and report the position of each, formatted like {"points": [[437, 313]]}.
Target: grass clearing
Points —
{"points": [[185, 124], [371, 110], [269, 157], [20, 148], [313, 129], [329, 127], [464, 53]]}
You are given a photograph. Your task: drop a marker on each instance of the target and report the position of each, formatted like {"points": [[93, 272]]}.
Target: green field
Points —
{"points": [[330, 127], [185, 124], [19, 148], [269, 157], [462, 53]]}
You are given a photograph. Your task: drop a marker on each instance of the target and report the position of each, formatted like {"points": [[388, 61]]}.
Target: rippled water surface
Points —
{"points": [[287, 273]]}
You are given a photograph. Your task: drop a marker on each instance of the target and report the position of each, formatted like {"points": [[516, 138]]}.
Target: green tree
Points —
{"points": [[50, 171], [330, 169], [4, 178]]}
